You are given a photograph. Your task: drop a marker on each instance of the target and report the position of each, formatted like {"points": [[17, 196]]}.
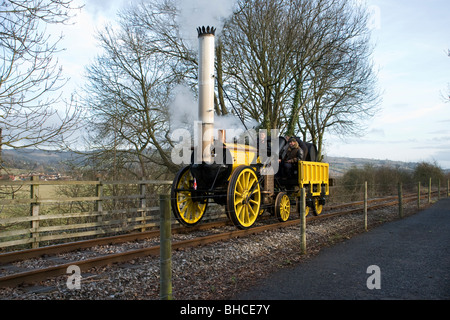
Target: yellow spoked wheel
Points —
{"points": [[282, 207], [186, 208], [317, 206], [307, 208], [243, 197], [307, 211]]}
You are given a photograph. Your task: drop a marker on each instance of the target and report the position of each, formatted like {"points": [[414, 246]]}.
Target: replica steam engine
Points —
{"points": [[237, 175]]}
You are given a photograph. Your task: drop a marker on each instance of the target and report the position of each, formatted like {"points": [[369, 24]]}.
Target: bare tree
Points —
{"points": [[30, 78], [337, 91], [131, 86], [258, 43], [301, 66], [160, 20], [128, 99]]}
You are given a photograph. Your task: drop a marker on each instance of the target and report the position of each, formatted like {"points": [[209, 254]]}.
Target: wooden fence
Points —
{"points": [[31, 216]]}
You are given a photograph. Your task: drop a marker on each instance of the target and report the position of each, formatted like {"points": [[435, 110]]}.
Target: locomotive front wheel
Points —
{"points": [[186, 209], [282, 207], [243, 197]]}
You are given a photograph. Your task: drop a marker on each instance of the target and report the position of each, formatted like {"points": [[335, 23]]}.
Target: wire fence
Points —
{"points": [[408, 199]]}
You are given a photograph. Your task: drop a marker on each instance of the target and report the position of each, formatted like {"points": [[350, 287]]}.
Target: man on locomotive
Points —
{"points": [[290, 158]]}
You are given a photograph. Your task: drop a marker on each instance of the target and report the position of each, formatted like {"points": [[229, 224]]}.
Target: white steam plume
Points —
{"points": [[197, 13], [184, 112], [183, 109]]}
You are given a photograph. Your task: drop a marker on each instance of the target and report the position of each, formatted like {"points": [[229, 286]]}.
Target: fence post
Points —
{"points": [[418, 195], [303, 221], [439, 189], [400, 200], [143, 203], [448, 188], [34, 210], [429, 192], [165, 249], [99, 204], [365, 205]]}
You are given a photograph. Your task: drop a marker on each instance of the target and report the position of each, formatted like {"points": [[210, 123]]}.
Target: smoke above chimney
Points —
{"points": [[194, 13]]}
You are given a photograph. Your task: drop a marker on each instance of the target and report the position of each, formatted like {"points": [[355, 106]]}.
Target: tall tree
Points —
{"points": [[258, 43], [160, 20], [301, 66], [339, 91], [128, 99]]}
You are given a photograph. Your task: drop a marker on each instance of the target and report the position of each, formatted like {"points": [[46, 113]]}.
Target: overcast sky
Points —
{"points": [[411, 39]]}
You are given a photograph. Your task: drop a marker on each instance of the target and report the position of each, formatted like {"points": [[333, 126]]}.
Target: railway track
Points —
{"points": [[43, 273]]}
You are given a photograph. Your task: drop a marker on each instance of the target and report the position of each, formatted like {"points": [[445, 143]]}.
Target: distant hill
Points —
{"points": [[340, 165], [37, 156], [29, 159]]}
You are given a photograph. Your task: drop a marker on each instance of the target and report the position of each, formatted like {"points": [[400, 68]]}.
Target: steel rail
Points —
{"points": [[14, 256]]}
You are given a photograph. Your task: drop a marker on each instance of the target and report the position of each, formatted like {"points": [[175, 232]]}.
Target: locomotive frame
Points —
{"points": [[244, 190]]}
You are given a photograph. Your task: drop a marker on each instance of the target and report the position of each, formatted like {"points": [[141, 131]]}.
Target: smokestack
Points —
{"points": [[206, 89]]}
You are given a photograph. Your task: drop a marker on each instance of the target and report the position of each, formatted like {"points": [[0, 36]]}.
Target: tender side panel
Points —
{"points": [[314, 174]]}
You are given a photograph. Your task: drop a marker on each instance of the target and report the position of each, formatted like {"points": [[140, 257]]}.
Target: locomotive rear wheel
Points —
{"points": [[282, 207], [307, 210], [243, 197], [187, 211], [317, 207]]}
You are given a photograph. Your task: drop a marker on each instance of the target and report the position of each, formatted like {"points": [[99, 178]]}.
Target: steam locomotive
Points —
{"points": [[237, 175]]}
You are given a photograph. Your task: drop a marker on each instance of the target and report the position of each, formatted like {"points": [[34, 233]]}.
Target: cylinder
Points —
{"points": [[206, 89]]}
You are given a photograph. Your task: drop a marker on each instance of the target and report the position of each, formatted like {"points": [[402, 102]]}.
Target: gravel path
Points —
{"points": [[407, 259]]}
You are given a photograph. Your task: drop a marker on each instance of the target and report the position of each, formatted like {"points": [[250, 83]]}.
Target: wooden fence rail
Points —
{"points": [[30, 218]]}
